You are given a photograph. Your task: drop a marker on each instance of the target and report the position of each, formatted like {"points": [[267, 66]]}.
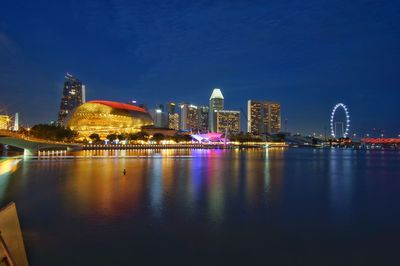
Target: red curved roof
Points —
{"points": [[118, 105]]}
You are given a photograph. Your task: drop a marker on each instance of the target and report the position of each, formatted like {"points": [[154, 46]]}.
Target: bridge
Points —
{"points": [[381, 141], [31, 145]]}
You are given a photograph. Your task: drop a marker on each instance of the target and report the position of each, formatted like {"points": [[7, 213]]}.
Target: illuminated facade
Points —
{"points": [[173, 116], [227, 121], [73, 96], [189, 117], [5, 121], [160, 118], [106, 117], [216, 104], [263, 117], [173, 121], [203, 118]]}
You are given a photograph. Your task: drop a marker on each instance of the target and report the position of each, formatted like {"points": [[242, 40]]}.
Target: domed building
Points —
{"points": [[107, 117]]}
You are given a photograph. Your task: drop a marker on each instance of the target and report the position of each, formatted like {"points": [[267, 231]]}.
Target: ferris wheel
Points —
{"points": [[345, 126]]}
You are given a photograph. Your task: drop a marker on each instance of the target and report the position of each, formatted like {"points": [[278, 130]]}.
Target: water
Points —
{"points": [[209, 207]]}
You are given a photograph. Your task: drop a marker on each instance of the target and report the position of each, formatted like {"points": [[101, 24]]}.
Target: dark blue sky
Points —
{"points": [[308, 55]]}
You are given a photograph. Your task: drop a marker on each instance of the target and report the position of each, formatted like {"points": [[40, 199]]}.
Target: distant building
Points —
{"points": [[173, 121], [189, 117], [5, 121], [160, 117], [173, 116], [203, 118], [184, 116], [73, 96], [263, 117], [227, 120], [171, 108], [193, 118], [216, 104]]}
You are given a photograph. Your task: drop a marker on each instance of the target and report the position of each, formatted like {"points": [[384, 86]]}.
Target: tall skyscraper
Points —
{"points": [[203, 118], [173, 121], [173, 116], [226, 120], [184, 116], [263, 117], [189, 117], [171, 108], [193, 118], [160, 117], [216, 103], [73, 96]]}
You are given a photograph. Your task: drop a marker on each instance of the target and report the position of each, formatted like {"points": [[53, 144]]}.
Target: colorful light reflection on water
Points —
{"points": [[214, 207]]}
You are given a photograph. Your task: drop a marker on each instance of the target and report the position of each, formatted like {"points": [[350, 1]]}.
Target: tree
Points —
{"points": [[94, 137], [157, 137], [53, 132], [179, 138], [111, 137], [121, 137], [138, 136]]}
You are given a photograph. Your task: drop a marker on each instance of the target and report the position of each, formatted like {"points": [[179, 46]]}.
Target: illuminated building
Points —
{"points": [[106, 117], [173, 116], [216, 104], [160, 118], [4, 121], [171, 108], [189, 117], [227, 121], [73, 96], [203, 118], [184, 116], [263, 117], [173, 121]]}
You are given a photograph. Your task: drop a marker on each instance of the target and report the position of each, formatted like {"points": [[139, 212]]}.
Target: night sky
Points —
{"points": [[308, 55]]}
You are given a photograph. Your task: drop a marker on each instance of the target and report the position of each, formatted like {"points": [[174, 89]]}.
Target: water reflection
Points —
{"points": [[341, 180], [161, 181], [7, 167], [220, 201]]}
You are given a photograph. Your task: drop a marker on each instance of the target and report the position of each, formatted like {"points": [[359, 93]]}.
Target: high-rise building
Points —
{"points": [[184, 116], [160, 117], [193, 118], [226, 120], [203, 118], [216, 104], [173, 116], [189, 117], [173, 121], [73, 96], [171, 108], [263, 117]]}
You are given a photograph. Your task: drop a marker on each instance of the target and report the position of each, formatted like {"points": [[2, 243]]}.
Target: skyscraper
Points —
{"points": [[203, 118], [216, 103], [193, 118], [189, 117], [173, 116], [263, 117], [73, 96], [226, 120], [184, 116]]}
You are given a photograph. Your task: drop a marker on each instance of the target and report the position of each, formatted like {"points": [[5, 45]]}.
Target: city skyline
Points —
{"points": [[308, 57]]}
